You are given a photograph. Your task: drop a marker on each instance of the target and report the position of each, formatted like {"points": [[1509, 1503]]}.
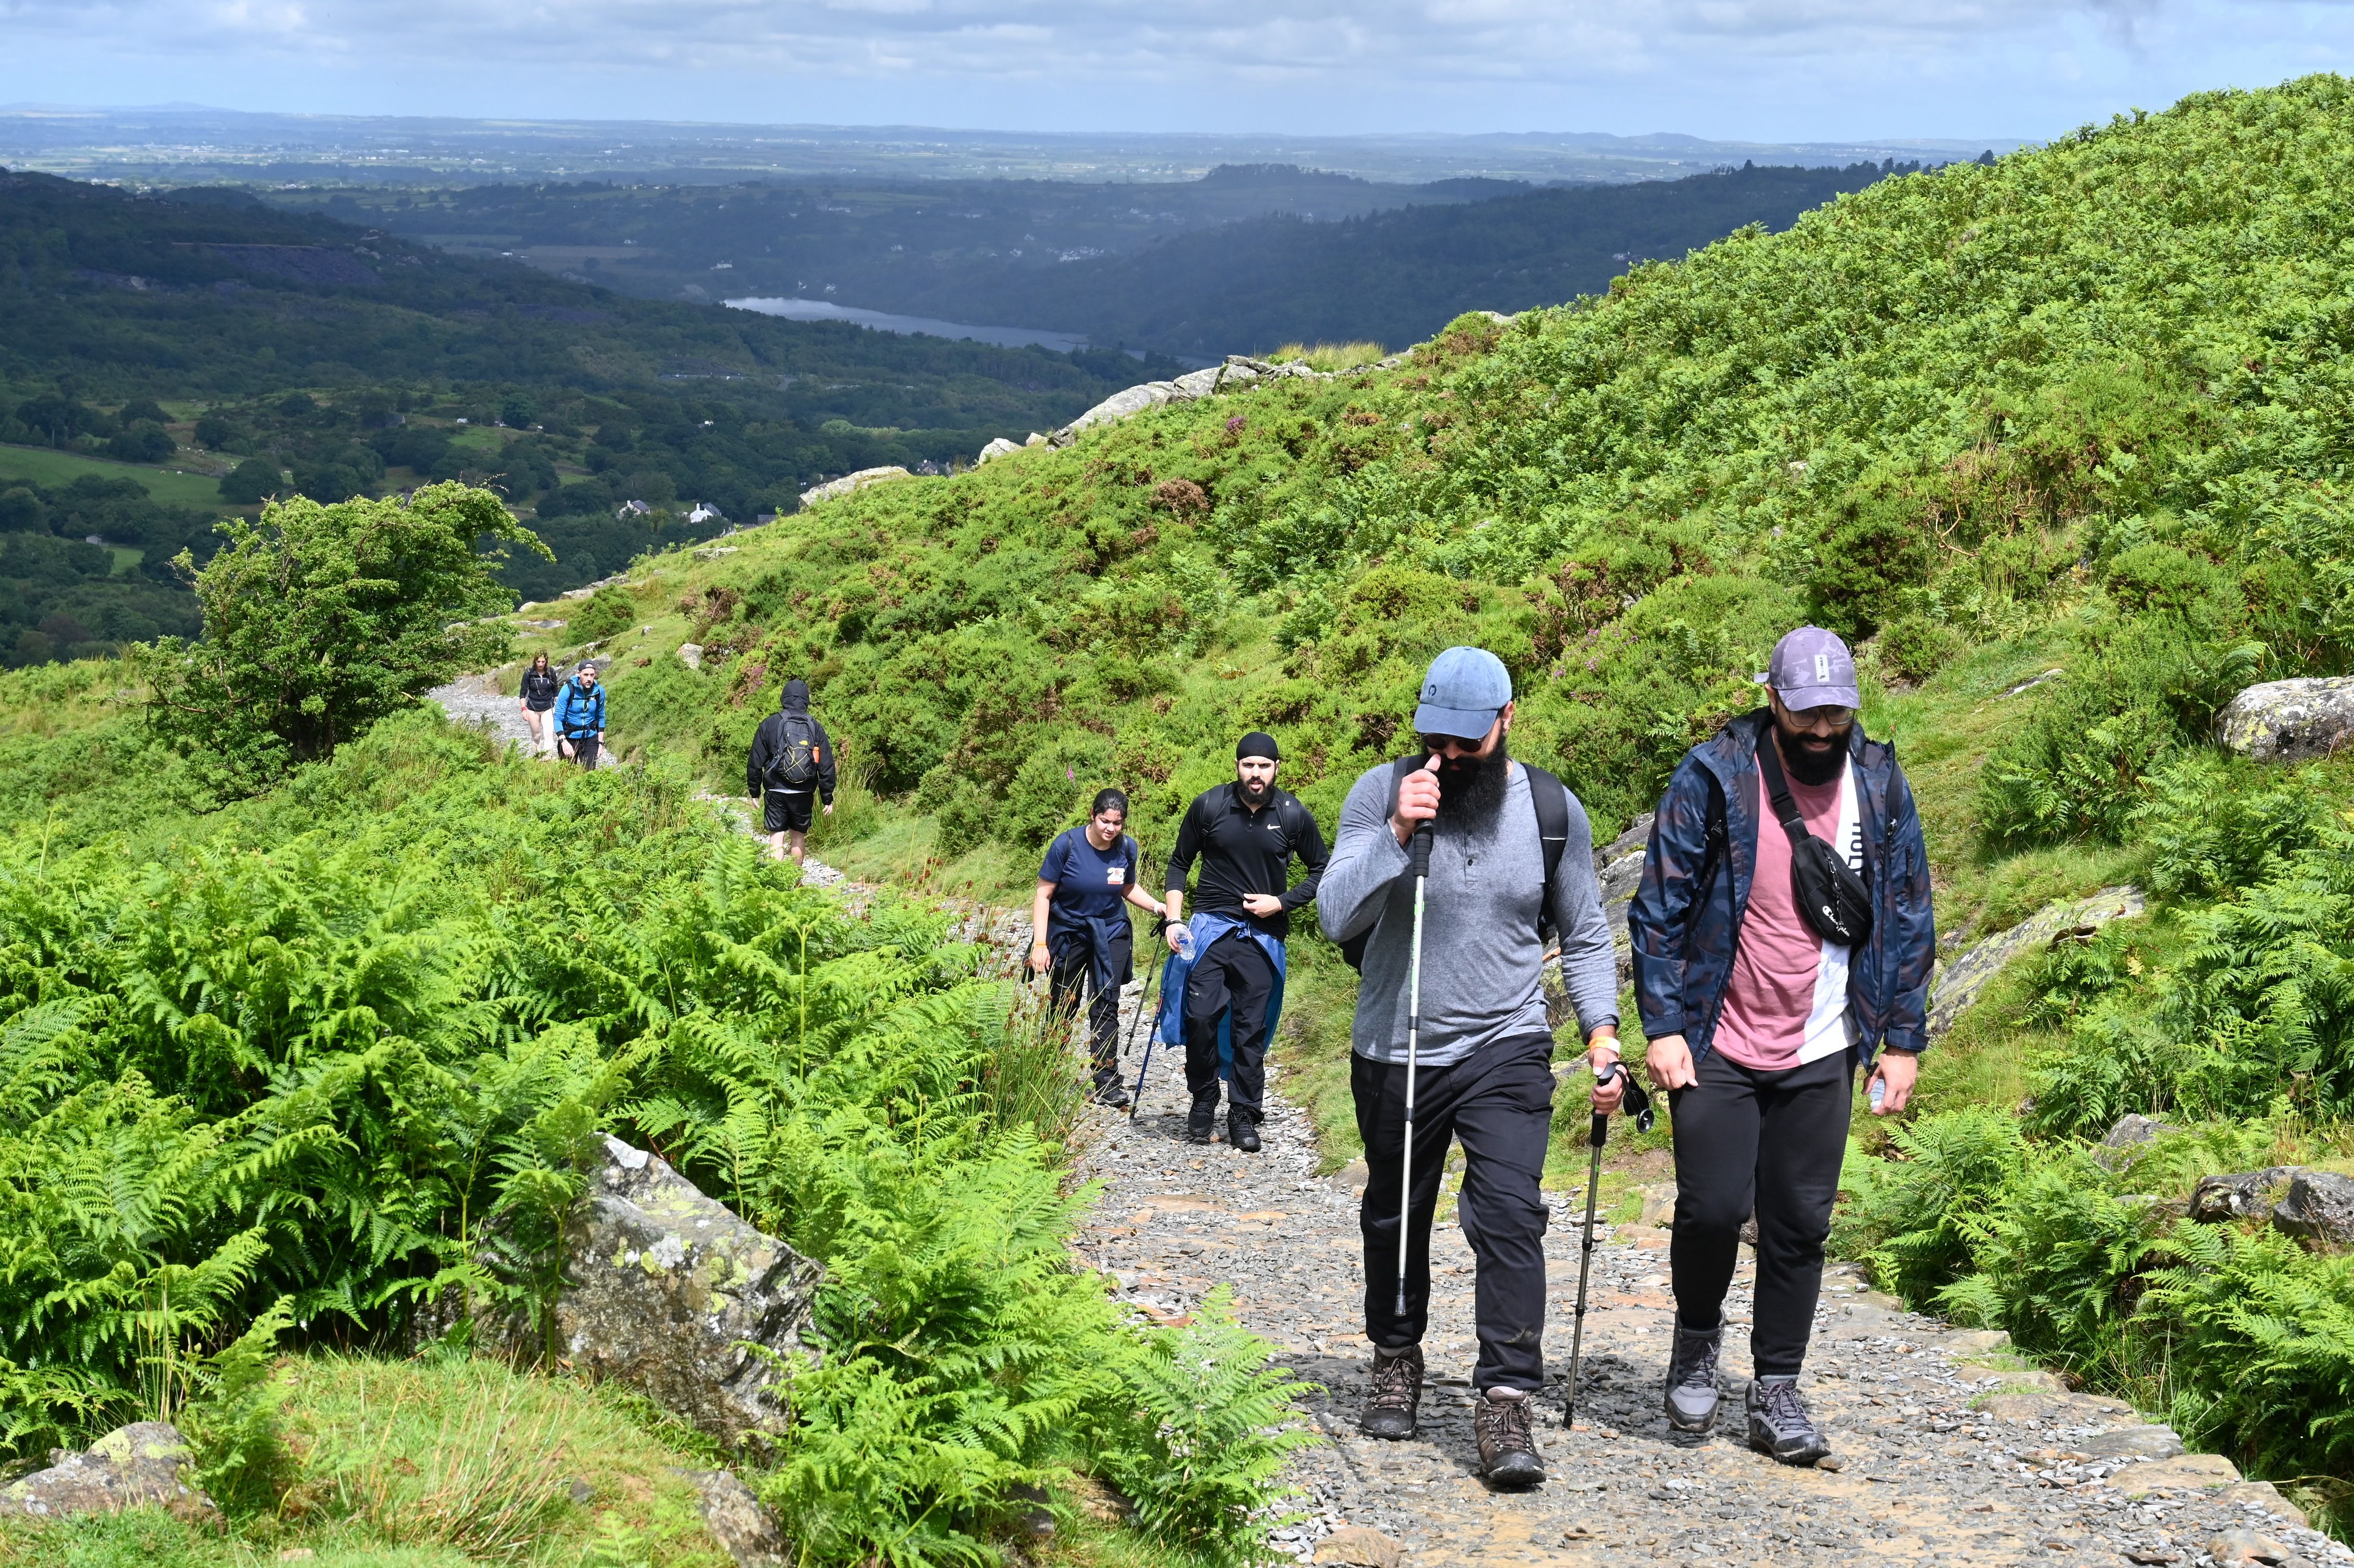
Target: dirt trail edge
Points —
{"points": [[1946, 1459]]}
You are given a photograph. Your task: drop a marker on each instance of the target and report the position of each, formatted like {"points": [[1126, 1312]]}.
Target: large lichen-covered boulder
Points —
{"points": [[2289, 721], [131, 1466], [2074, 920], [851, 481], [664, 1290], [2237, 1195]]}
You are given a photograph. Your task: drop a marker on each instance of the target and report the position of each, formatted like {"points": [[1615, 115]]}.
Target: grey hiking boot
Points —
{"points": [[1691, 1380], [1396, 1396], [1508, 1453], [1780, 1425]]}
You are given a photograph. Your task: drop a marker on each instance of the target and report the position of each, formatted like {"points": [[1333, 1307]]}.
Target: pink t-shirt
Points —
{"points": [[1773, 1009]]}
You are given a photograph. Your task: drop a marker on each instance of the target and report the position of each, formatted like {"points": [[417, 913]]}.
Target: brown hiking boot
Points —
{"points": [[1508, 1453], [1397, 1394]]}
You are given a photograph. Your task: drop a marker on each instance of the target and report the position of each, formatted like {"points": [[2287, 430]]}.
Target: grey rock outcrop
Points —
{"points": [[666, 1290], [996, 449], [737, 1520], [131, 1466], [2242, 1195], [2318, 1211], [2074, 920], [849, 481], [691, 655], [2128, 1135], [1239, 371], [1619, 868], [2289, 721]]}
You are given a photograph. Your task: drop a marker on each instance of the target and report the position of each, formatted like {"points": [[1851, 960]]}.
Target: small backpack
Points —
{"points": [[796, 766], [1551, 798]]}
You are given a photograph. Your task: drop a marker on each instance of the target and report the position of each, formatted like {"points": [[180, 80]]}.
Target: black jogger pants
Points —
{"points": [[1234, 974], [1498, 1102], [1771, 1141], [1072, 968]]}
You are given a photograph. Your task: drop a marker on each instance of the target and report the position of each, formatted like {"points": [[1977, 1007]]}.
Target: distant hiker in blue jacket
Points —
{"points": [[1783, 938], [1080, 925], [580, 717]]}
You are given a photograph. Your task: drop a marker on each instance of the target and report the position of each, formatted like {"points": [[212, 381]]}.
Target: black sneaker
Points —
{"points": [[1508, 1453], [1113, 1094], [1242, 1131], [1692, 1398], [1203, 1117], [1780, 1425], [1396, 1396]]}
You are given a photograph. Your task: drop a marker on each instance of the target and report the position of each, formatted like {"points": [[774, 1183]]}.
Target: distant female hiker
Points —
{"points": [[790, 768], [1083, 934], [541, 686], [579, 715]]}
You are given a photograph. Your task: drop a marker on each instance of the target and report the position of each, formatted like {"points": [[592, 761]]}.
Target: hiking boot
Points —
{"points": [[1242, 1131], [1203, 1117], [1691, 1380], [1113, 1094], [1507, 1454], [1780, 1425], [1396, 1396]]}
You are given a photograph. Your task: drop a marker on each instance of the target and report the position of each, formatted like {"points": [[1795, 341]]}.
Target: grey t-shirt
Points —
{"points": [[1482, 964]]}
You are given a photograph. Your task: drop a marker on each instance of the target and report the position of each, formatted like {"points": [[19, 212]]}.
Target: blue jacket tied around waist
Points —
{"points": [[1208, 928], [1685, 921]]}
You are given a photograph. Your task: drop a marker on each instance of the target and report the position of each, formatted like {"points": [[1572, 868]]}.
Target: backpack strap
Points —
{"points": [[1551, 798]]}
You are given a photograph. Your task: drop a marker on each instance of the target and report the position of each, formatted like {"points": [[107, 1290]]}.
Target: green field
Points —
{"points": [[43, 466]]}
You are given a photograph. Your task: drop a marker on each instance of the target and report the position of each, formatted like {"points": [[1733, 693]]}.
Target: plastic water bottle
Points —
{"points": [[1185, 943], [1879, 1094]]}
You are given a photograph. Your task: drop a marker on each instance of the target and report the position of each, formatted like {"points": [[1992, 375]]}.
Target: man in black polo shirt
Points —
{"points": [[1245, 834]]}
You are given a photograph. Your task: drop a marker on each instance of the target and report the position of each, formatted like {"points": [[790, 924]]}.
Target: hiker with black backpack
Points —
{"points": [[579, 716], [791, 767], [1782, 936], [1451, 1037], [1227, 962], [1080, 930]]}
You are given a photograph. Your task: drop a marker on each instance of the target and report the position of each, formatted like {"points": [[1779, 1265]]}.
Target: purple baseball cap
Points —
{"points": [[1811, 668]]}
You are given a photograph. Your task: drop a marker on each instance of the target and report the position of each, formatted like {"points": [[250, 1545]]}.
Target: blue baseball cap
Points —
{"points": [[1466, 689], [1812, 668]]}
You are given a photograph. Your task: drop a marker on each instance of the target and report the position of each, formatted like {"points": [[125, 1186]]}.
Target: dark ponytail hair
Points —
{"points": [[1106, 800]]}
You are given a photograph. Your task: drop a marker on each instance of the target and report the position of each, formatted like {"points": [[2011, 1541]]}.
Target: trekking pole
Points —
{"points": [[1638, 1106], [1418, 864], [1151, 981]]}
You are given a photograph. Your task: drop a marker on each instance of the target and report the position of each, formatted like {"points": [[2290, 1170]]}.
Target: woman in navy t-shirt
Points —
{"points": [[1082, 931]]}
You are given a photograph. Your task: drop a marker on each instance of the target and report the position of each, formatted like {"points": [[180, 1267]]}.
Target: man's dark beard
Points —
{"points": [[1471, 789], [1810, 761]]}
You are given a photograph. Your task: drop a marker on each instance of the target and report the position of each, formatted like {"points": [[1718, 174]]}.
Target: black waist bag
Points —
{"points": [[1831, 897]]}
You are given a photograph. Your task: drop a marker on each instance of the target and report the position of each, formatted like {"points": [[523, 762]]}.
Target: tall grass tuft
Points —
{"points": [[1328, 355]]}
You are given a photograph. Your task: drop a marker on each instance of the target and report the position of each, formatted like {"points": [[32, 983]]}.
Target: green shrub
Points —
{"points": [[605, 613], [1914, 647], [1872, 551]]}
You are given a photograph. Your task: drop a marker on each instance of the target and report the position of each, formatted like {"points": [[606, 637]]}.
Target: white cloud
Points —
{"points": [[1764, 67]]}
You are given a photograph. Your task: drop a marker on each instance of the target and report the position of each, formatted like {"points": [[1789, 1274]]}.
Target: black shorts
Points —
{"points": [[789, 811]]}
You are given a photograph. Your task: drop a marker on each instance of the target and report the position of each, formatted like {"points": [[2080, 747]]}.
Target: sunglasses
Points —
{"points": [[1806, 718], [1449, 745]]}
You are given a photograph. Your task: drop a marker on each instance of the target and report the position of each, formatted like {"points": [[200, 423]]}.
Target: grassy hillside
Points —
{"points": [[2082, 410]]}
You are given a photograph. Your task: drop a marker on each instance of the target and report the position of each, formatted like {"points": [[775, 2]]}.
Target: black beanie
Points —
{"points": [[1258, 743]]}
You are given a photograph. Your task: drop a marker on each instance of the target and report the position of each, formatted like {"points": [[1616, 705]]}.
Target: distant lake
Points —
{"points": [[882, 321]]}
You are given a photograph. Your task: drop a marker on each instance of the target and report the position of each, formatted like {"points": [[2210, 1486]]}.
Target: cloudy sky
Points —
{"points": [[1762, 69]]}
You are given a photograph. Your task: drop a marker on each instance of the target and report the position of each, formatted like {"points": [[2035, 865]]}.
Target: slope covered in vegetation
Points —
{"points": [[2085, 409]]}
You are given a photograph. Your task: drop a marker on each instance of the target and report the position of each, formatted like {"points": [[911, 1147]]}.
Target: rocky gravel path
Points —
{"points": [[1944, 1456]]}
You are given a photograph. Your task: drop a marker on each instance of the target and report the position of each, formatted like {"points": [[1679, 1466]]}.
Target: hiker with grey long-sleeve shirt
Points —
{"points": [[1484, 1065]]}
